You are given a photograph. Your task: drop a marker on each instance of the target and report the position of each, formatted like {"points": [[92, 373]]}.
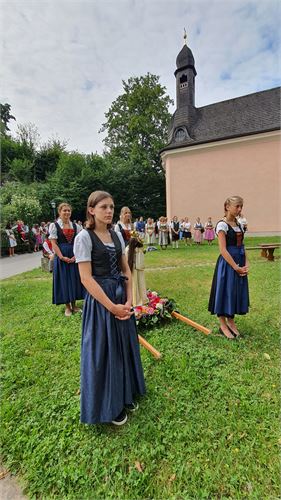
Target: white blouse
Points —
{"points": [[83, 246], [222, 226], [53, 229]]}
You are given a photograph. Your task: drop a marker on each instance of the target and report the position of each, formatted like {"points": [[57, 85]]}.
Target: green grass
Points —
{"points": [[208, 426]]}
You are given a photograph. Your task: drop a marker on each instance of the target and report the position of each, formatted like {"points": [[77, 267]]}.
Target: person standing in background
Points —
{"points": [[198, 231], [175, 229], [67, 287], [124, 225], [186, 233], [209, 234], [163, 229], [243, 222], [11, 239]]}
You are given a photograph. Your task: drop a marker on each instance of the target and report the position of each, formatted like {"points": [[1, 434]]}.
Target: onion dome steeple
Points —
{"points": [[185, 115], [185, 75], [185, 59]]}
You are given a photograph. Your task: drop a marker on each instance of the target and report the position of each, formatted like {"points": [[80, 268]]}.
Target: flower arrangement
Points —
{"points": [[157, 310]]}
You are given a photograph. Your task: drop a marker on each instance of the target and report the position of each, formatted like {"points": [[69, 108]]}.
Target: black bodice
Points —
{"points": [[61, 236], [105, 261], [232, 237]]}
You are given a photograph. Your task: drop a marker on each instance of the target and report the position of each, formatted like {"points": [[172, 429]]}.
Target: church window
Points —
{"points": [[183, 82], [180, 134]]}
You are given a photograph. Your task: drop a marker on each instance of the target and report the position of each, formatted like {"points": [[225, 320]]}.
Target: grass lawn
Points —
{"points": [[208, 426]]}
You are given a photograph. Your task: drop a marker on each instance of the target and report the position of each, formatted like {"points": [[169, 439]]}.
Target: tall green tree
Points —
{"points": [[5, 117], [136, 127], [47, 158]]}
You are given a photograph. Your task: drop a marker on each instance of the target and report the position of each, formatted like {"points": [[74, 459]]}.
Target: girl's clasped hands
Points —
{"points": [[122, 311]]}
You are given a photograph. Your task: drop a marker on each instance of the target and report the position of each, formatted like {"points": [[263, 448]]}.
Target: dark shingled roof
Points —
{"points": [[185, 58], [250, 114]]}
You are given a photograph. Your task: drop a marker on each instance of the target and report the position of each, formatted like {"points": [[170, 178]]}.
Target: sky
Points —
{"points": [[63, 62]]}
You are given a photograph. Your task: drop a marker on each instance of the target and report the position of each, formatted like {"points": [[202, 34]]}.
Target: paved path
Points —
{"points": [[9, 488], [9, 266]]}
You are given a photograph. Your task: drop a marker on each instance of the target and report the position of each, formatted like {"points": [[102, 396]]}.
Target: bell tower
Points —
{"points": [[185, 116], [185, 76]]}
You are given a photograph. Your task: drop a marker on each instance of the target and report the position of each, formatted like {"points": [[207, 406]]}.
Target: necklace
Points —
{"points": [[105, 237]]}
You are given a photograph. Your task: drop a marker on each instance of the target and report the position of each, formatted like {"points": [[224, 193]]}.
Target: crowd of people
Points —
{"points": [[164, 232], [102, 263], [152, 232]]}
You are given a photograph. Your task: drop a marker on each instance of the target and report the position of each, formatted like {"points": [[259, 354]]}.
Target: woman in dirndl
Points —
{"points": [[150, 237], [67, 287], [186, 231], [12, 240], [229, 292], [163, 232], [209, 234], [111, 369], [198, 231], [124, 225]]}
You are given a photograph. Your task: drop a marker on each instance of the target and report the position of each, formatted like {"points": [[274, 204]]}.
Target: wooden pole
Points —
{"points": [[149, 347], [191, 323]]}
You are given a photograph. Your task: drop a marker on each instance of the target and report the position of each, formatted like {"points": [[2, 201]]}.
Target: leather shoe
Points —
{"points": [[233, 333], [228, 338]]}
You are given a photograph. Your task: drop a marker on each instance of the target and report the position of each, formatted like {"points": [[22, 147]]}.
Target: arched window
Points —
{"points": [[180, 134], [183, 82]]}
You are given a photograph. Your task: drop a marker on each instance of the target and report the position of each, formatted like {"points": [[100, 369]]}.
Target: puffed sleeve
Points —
{"points": [[53, 232], [117, 228], [121, 241], [82, 248], [222, 226]]}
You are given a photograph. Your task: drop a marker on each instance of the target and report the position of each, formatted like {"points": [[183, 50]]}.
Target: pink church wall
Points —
{"points": [[200, 178]]}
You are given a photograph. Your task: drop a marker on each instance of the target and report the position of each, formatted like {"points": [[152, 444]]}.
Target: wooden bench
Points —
{"points": [[252, 248], [267, 250]]}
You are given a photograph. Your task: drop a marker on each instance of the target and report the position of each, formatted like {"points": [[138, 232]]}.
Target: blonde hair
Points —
{"points": [[122, 212], [233, 200], [94, 198], [64, 204]]}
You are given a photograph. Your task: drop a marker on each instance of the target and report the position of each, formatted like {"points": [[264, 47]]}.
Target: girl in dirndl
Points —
{"points": [[124, 225], [67, 287], [229, 292], [198, 231], [12, 240], [111, 369], [186, 231], [209, 234], [150, 238], [175, 229], [163, 232]]}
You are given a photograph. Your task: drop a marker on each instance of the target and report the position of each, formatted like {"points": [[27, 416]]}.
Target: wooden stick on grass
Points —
{"points": [[149, 347], [191, 323]]}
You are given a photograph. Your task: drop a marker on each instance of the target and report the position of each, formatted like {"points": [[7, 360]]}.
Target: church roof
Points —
{"points": [[250, 114], [185, 58]]}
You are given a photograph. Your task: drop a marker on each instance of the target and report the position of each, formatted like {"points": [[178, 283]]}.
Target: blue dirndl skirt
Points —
{"points": [[229, 292], [67, 286], [111, 369]]}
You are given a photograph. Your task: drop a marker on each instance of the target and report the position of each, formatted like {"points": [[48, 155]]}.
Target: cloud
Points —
{"points": [[64, 62]]}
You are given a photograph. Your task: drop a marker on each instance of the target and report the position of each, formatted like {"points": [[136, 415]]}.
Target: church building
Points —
{"points": [[222, 149]]}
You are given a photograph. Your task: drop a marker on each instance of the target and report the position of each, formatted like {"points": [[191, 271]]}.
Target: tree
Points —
{"points": [[5, 117], [137, 126], [21, 170], [76, 176], [47, 158], [19, 201]]}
